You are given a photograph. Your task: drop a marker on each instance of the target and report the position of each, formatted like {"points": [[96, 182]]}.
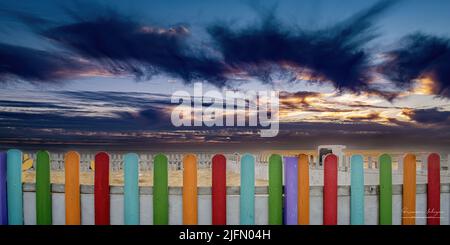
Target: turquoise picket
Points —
{"points": [[131, 189], [247, 195], [14, 187], [357, 190]]}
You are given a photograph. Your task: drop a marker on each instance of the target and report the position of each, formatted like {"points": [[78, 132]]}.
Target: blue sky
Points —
{"points": [[346, 70]]}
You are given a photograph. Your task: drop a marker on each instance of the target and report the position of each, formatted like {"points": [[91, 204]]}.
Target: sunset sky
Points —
{"points": [[367, 74]]}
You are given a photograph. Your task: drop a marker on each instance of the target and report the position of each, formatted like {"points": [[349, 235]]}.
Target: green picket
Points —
{"points": [[385, 190], [160, 191], [275, 190], [43, 192]]}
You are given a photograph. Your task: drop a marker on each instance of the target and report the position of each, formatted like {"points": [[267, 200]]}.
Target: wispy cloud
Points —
{"points": [[338, 54], [33, 65], [113, 43], [423, 59]]}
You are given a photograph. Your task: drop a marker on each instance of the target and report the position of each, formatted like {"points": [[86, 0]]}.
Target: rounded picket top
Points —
{"points": [[131, 157], [160, 157], [219, 158], [275, 158], [434, 157], [14, 151], [72, 155], [190, 158], [101, 157], [43, 155], [409, 157], [330, 157], [385, 158], [14, 155], [356, 158], [247, 157]]}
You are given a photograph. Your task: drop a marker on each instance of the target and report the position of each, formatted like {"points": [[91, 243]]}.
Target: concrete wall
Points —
{"points": [[204, 202]]}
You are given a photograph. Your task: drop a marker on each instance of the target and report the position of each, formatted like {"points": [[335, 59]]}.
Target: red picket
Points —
{"points": [[101, 189], [219, 190], [330, 190], [434, 190]]}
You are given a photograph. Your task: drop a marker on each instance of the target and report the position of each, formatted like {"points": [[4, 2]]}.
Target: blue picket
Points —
{"points": [[247, 195], [357, 190], [14, 187], [131, 189]]}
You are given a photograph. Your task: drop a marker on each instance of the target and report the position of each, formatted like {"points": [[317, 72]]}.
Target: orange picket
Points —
{"points": [[72, 171], [303, 190], [190, 216], [409, 190]]}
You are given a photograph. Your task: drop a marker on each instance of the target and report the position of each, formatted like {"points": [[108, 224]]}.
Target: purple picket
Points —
{"points": [[291, 190], [3, 202]]}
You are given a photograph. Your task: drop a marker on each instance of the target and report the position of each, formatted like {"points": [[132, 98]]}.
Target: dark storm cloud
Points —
{"points": [[117, 99], [420, 56], [34, 65], [146, 119], [337, 54], [429, 116], [33, 104], [123, 45]]}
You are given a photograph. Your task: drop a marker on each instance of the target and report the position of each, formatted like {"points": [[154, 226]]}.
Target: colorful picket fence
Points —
{"points": [[288, 200]]}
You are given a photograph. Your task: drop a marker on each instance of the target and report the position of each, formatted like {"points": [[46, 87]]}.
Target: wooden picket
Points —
{"points": [[357, 190], [303, 190], [385, 189], [190, 210], [43, 191], [160, 191], [330, 190], [434, 190], [72, 186], [14, 187], [409, 190], [3, 200], [101, 189], [219, 190], [247, 190], [291, 190], [294, 210], [275, 190], [131, 189]]}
